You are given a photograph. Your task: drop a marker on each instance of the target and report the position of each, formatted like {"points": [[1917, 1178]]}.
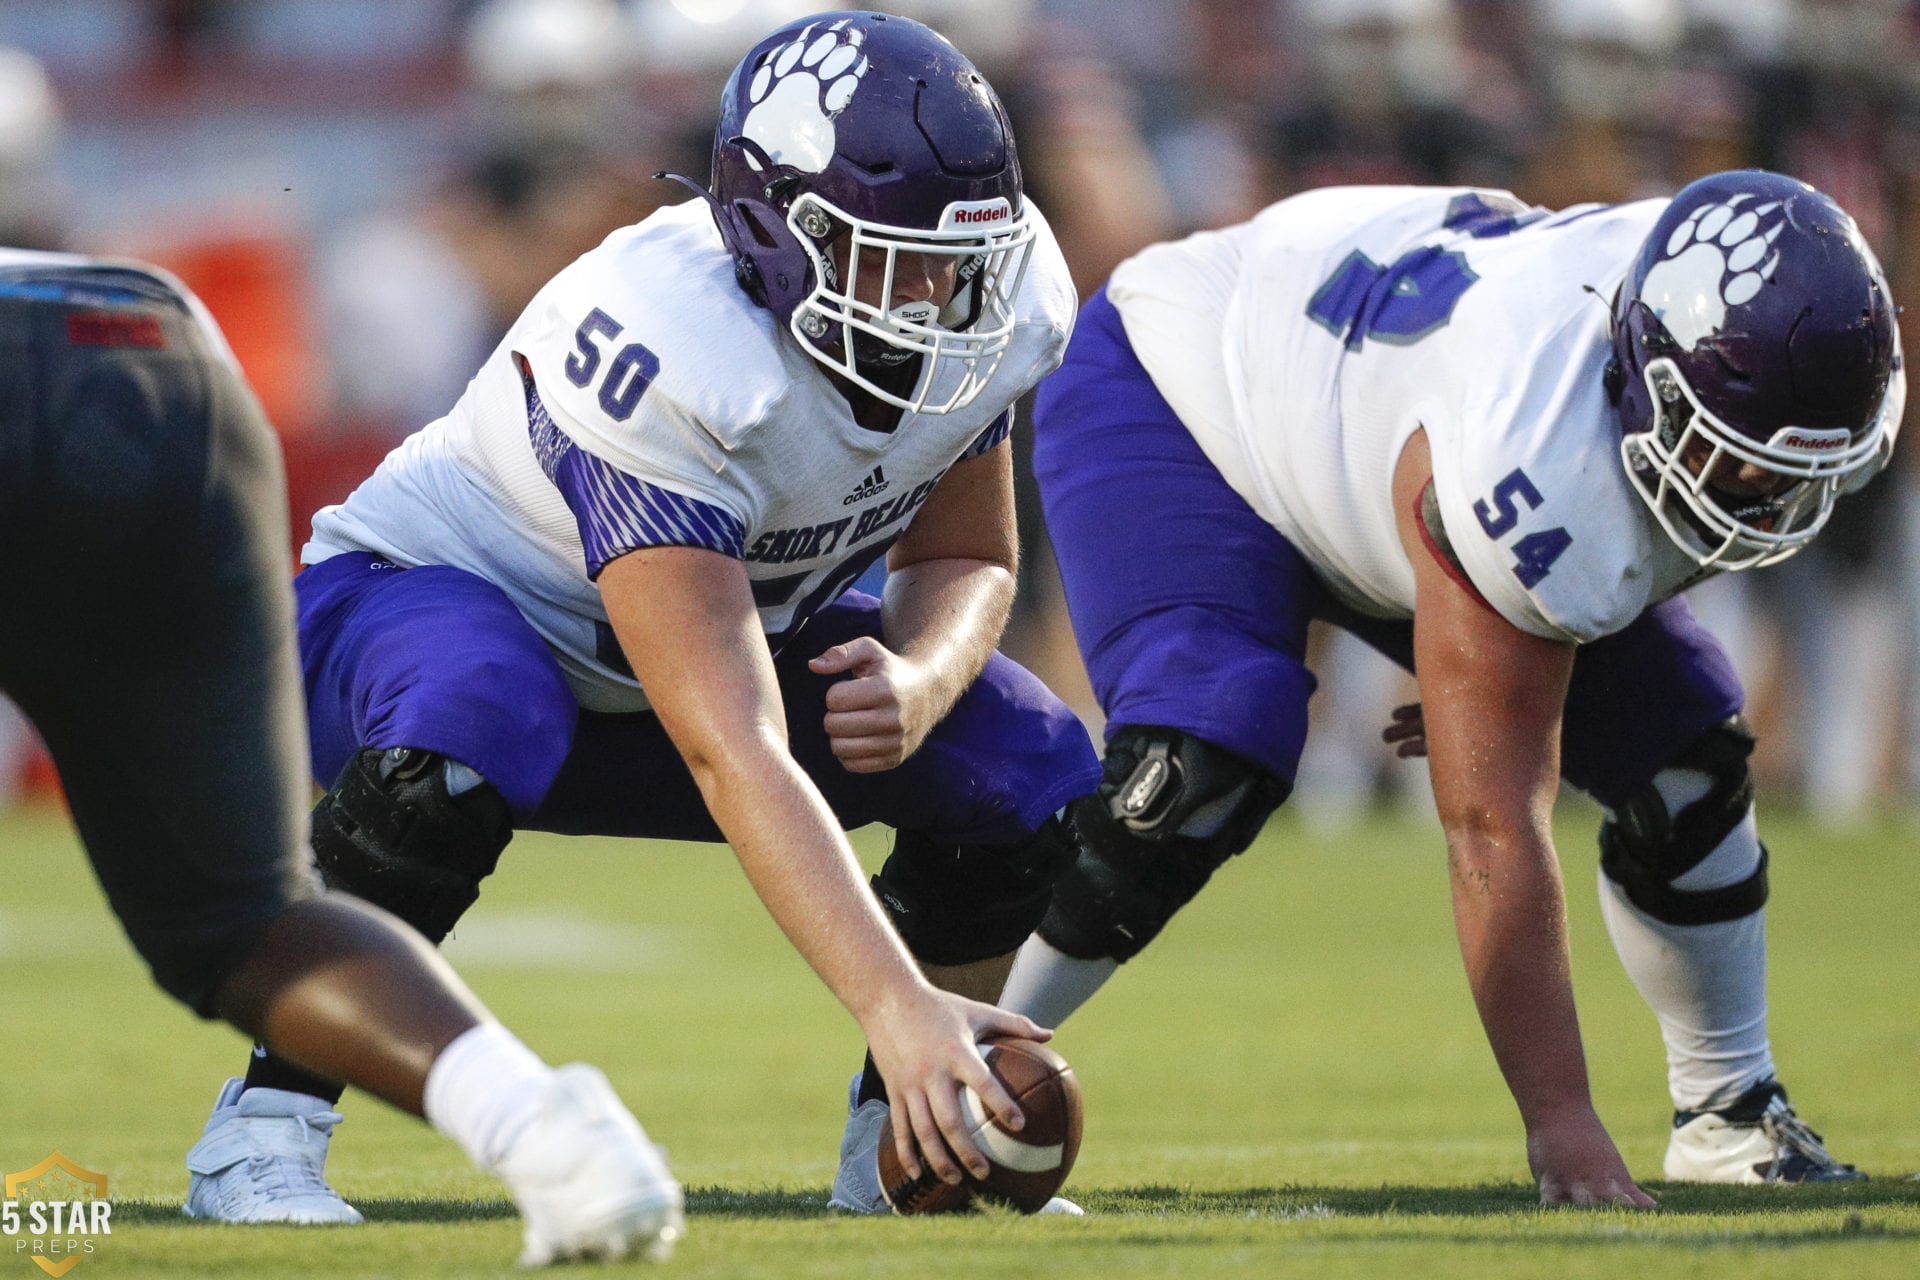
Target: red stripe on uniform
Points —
{"points": [[107, 329]]}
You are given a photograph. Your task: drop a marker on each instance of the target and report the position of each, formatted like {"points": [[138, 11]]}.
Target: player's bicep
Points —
{"points": [[968, 516], [1491, 698], [686, 620], [1491, 694]]}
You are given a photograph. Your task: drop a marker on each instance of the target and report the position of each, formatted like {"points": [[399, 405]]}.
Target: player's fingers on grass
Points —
{"points": [[1565, 1193], [1613, 1192]]}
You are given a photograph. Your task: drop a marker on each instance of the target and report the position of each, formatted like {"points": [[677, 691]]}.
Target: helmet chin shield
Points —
{"points": [[959, 341], [1673, 462]]}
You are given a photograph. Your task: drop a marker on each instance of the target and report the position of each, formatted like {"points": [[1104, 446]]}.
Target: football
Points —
{"points": [[1028, 1166]]}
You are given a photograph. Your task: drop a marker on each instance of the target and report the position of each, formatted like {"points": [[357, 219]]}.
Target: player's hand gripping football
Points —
{"points": [[1576, 1162], [882, 714], [926, 1049]]}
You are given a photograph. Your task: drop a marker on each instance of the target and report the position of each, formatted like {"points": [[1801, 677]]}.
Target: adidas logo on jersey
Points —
{"points": [[872, 487]]}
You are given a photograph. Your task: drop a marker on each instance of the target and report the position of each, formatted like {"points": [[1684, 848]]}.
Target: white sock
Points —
{"points": [[484, 1090], [1706, 983], [1047, 985]]}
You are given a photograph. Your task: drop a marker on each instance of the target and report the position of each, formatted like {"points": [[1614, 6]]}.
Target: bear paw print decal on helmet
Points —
{"points": [[799, 89], [1718, 257]]}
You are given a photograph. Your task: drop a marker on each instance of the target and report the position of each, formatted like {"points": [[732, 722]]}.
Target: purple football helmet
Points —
{"points": [[859, 138], [1757, 369]]}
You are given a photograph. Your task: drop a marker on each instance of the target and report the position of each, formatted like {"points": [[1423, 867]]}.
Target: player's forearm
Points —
{"points": [[947, 616], [800, 864], [1510, 915]]}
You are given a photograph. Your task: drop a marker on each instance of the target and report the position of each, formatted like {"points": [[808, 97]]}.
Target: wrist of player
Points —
{"points": [[1557, 1111], [890, 996], [935, 690]]}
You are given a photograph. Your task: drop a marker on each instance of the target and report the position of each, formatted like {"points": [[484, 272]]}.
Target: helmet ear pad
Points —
{"points": [[1638, 339], [768, 259]]}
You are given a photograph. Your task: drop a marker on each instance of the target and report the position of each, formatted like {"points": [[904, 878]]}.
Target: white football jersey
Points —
{"points": [[642, 399], [1303, 348]]}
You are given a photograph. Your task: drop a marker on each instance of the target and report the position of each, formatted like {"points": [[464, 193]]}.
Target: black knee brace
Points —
{"points": [[1644, 849], [390, 832], [1170, 810], [958, 903]]}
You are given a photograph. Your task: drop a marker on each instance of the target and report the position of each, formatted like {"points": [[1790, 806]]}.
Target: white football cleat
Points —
{"points": [[1758, 1139], [856, 1187], [588, 1182], [261, 1157]]}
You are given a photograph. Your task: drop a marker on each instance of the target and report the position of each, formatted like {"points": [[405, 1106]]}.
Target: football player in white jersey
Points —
{"points": [[1496, 442], [134, 460], [608, 592]]}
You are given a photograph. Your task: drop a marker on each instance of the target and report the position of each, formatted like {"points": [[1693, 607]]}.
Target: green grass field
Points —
{"points": [[1292, 1083]]}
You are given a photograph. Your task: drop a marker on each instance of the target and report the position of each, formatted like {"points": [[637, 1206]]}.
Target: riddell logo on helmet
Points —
{"points": [[1811, 440], [977, 214]]}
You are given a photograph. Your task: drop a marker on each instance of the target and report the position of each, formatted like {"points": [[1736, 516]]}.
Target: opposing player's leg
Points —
{"points": [[159, 573], [1653, 731], [1192, 615], [418, 680]]}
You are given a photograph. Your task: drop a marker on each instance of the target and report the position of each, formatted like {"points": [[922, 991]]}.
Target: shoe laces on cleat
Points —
{"points": [[1799, 1154]]}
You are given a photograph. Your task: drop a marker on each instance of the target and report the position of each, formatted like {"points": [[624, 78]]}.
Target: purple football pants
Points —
{"points": [[439, 659], [1191, 611]]}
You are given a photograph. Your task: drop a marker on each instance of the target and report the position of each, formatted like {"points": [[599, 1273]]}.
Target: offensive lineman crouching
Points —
{"points": [[608, 592], [1411, 413]]}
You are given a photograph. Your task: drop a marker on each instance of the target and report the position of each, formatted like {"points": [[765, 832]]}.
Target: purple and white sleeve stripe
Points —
{"points": [[997, 430], [617, 513]]}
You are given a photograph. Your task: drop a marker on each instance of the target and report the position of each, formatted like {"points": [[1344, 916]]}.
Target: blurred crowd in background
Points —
{"points": [[366, 192]]}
